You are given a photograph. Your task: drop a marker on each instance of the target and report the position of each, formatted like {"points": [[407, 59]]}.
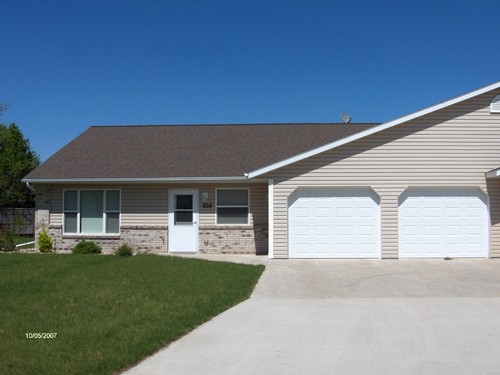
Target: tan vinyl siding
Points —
{"points": [[56, 202], [258, 205], [454, 146], [147, 204], [144, 205], [494, 205]]}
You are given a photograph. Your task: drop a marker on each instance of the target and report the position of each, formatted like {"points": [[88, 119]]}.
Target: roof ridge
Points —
{"points": [[235, 124]]}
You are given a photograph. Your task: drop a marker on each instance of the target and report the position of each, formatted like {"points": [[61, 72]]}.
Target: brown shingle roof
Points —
{"points": [[164, 151]]}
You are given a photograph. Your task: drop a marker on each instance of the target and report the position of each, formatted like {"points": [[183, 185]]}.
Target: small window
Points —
{"points": [[71, 211], [183, 213], [232, 206], [495, 105], [91, 211]]}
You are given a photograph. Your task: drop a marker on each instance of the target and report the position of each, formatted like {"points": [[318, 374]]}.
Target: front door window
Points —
{"points": [[183, 213]]}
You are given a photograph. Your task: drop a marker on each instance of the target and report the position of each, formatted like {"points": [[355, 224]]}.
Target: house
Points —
{"points": [[426, 185]]}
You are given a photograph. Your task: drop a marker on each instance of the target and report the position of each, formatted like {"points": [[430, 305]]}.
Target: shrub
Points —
{"points": [[124, 250], [8, 240], [86, 247], [44, 241]]}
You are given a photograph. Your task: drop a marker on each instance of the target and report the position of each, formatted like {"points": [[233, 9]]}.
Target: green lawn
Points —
{"points": [[108, 312]]}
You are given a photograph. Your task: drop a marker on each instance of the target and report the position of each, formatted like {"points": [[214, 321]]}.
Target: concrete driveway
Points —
{"points": [[351, 317]]}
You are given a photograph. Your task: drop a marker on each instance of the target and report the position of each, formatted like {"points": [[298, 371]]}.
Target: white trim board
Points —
{"points": [[235, 179], [270, 212], [371, 131]]}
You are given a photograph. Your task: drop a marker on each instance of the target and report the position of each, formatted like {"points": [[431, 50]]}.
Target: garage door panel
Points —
{"points": [[443, 223], [453, 230], [342, 224], [366, 213], [343, 212]]}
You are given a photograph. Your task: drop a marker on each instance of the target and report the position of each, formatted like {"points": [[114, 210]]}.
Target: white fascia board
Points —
{"points": [[139, 180], [493, 173], [375, 129]]}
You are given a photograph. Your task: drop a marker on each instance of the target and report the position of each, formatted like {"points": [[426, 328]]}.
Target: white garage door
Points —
{"points": [[438, 224], [339, 223]]}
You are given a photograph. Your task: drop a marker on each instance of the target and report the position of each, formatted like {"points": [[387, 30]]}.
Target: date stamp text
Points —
{"points": [[39, 335]]}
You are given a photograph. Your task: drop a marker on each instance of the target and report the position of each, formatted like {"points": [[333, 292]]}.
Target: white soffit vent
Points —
{"points": [[495, 105]]}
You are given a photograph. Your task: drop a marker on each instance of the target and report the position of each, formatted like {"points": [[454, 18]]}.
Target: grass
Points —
{"points": [[108, 311]]}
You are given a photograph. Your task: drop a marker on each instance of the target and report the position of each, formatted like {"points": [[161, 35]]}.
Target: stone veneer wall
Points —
{"points": [[42, 205], [233, 239], [149, 239], [143, 239], [146, 239]]}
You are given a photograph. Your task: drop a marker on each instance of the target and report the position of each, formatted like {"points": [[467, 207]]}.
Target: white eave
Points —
{"points": [[234, 179], [493, 173], [371, 131]]}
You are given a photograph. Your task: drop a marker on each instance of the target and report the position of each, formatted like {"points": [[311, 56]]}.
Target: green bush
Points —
{"points": [[8, 240], [44, 241], [124, 250], [86, 247]]}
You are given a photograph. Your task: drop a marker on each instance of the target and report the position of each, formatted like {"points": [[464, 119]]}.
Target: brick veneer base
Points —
{"points": [[153, 239], [143, 239], [233, 239]]}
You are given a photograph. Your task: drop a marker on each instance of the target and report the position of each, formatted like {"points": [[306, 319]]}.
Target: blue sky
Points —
{"points": [[67, 65]]}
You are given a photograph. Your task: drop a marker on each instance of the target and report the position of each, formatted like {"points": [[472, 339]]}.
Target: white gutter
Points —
{"points": [[138, 180]]}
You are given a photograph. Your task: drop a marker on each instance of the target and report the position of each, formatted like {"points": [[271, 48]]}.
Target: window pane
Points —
{"points": [[70, 222], [112, 200], [113, 223], [91, 211], [233, 215], [70, 200], [183, 217], [232, 197], [184, 202]]}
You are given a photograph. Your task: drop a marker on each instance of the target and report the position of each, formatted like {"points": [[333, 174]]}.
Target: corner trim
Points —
{"points": [[270, 212]]}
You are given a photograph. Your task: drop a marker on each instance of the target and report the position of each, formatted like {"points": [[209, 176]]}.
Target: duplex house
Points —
{"points": [[426, 185]]}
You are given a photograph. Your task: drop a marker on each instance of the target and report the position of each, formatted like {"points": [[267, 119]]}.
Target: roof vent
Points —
{"points": [[346, 117], [495, 105]]}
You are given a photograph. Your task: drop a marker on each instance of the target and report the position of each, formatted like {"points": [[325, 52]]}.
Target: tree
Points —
{"points": [[3, 108], [17, 159]]}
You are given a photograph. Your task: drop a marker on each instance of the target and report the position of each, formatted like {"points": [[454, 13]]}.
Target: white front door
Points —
{"points": [[183, 220]]}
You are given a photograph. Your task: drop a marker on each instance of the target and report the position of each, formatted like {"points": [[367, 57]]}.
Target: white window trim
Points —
{"points": [[247, 206], [104, 217]]}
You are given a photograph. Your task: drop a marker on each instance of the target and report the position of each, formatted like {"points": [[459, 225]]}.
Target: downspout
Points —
{"points": [[270, 212], [32, 188]]}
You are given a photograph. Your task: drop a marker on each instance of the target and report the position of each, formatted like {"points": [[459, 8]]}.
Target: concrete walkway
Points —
{"points": [[351, 317]]}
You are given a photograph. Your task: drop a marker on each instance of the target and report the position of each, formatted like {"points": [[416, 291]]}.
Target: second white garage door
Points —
{"points": [[334, 223], [438, 223]]}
